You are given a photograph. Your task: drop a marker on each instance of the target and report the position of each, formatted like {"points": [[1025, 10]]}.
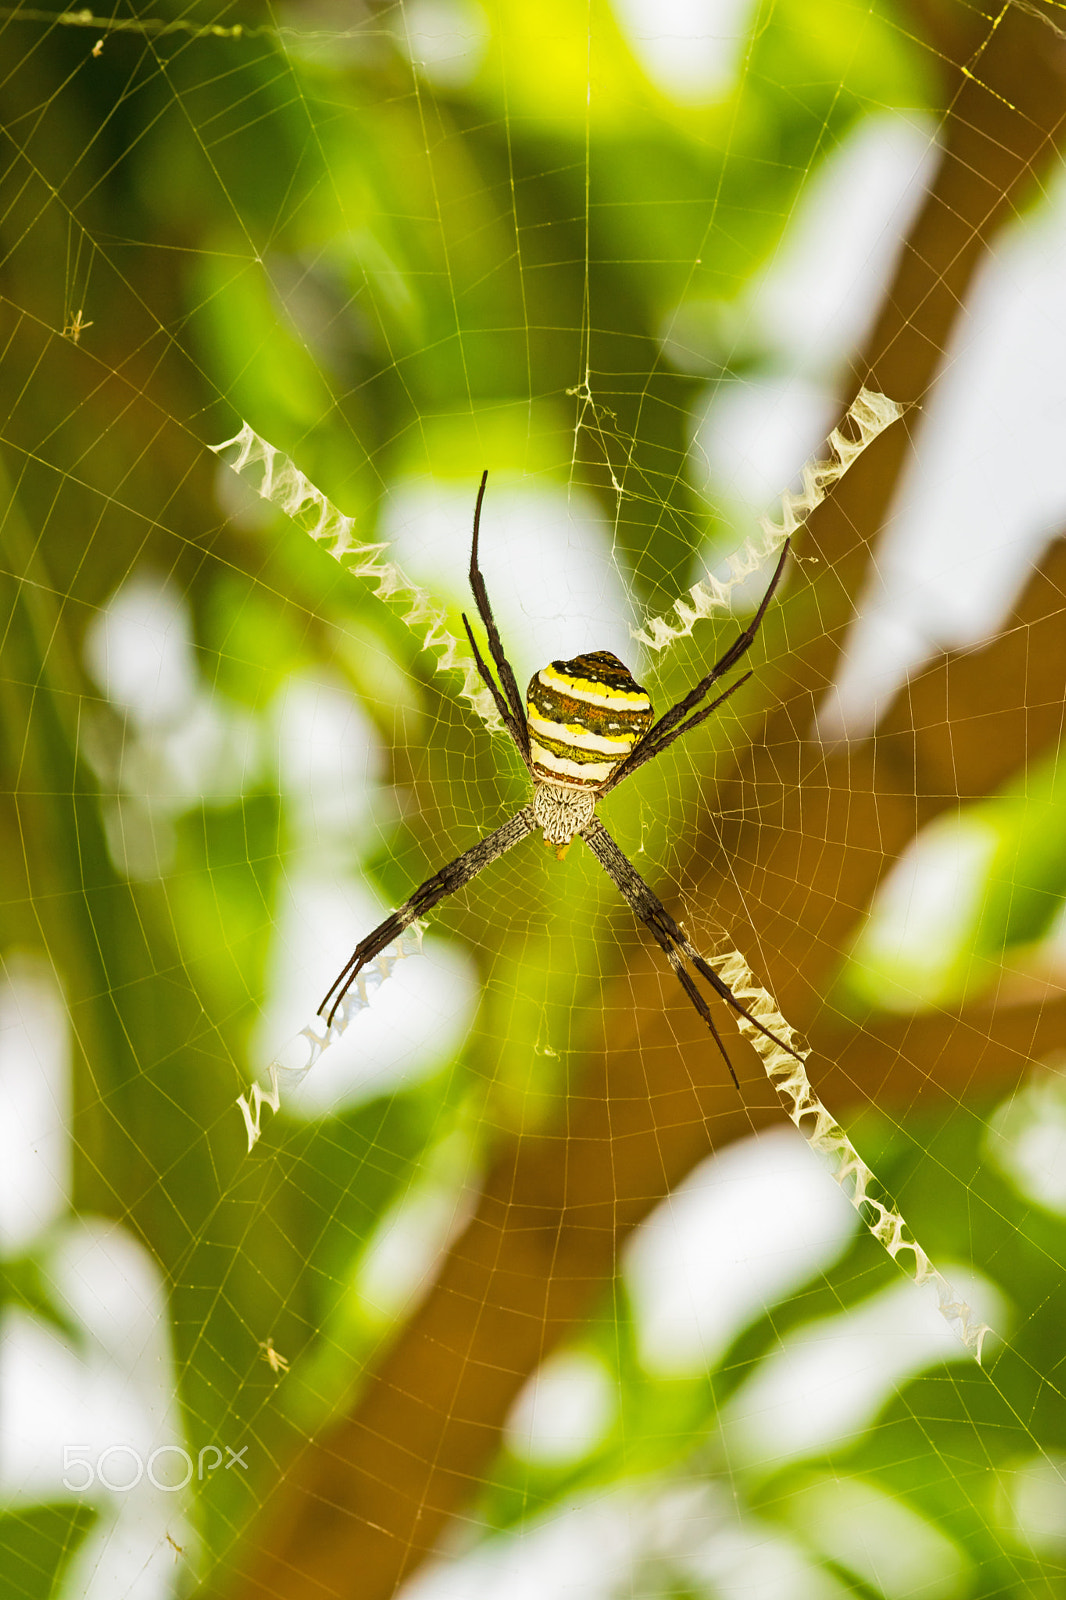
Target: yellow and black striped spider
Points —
{"points": [[586, 724]]}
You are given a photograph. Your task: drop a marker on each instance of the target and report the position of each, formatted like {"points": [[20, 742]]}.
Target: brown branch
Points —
{"points": [[998, 138], [813, 832], [543, 1241], [967, 1055], [975, 718], [367, 1499]]}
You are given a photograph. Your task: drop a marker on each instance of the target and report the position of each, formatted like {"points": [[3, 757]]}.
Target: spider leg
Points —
{"points": [[426, 896], [503, 666], [670, 938], [671, 725], [517, 730], [646, 750]]}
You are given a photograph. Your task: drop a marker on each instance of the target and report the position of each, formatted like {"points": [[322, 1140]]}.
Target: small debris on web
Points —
{"points": [[274, 1359], [278, 480], [295, 1059], [870, 414]]}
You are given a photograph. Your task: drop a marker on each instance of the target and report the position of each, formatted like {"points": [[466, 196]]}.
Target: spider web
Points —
{"points": [[513, 1292]]}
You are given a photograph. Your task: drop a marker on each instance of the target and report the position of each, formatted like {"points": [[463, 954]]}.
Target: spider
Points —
{"points": [[585, 726]]}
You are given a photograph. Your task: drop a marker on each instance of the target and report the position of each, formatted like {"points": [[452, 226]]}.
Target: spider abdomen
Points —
{"points": [[584, 717]]}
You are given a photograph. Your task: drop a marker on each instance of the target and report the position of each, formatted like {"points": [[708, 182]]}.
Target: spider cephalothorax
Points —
{"points": [[585, 725]]}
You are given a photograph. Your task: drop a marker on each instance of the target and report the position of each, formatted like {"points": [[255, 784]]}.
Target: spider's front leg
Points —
{"points": [[454, 876]]}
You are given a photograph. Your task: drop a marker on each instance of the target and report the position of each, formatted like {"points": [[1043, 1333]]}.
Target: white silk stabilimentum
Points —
{"points": [[279, 481], [870, 414], [295, 1059], [282, 483], [824, 1134]]}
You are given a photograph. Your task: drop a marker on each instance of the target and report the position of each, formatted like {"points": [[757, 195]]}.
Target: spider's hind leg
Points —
{"points": [[670, 938], [443, 883]]}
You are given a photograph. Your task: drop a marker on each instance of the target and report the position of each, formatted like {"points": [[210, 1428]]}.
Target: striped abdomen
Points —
{"points": [[584, 717]]}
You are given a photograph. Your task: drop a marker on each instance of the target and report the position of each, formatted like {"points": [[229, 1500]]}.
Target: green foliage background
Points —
{"points": [[391, 278]]}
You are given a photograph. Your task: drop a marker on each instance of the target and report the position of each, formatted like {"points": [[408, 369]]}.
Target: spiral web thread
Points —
{"points": [[283, 484], [869, 414], [295, 1059], [824, 1134]]}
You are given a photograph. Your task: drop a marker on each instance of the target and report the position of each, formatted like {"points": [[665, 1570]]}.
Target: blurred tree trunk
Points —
{"points": [[813, 832]]}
